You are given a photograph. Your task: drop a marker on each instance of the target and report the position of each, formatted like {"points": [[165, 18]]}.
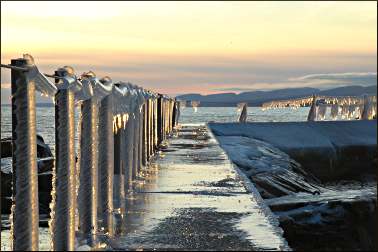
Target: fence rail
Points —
{"points": [[120, 129]]}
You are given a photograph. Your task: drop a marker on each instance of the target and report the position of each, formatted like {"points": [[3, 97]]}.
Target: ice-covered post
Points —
{"points": [[365, 111], [243, 115], [144, 136], [64, 207], [88, 170], [140, 128], [152, 132], [106, 157], [170, 115], [88, 191], [148, 128], [135, 135], [174, 111], [163, 118], [158, 112], [117, 96], [178, 111], [24, 156], [153, 125], [312, 113], [126, 139], [140, 149], [117, 161], [167, 118]]}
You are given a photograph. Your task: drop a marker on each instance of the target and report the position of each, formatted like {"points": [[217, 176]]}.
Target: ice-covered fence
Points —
{"points": [[181, 103], [346, 107], [120, 128], [195, 105]]}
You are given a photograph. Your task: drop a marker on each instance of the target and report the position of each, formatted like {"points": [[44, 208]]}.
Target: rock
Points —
{"points": [[6, 147], [335, 220], [45, 165], [43, 150]]}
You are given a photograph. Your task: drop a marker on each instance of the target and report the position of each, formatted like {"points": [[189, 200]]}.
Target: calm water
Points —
{"points": [[46, 120]]}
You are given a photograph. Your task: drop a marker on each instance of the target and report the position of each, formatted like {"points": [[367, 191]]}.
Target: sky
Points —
{"points": [[197, 47]]}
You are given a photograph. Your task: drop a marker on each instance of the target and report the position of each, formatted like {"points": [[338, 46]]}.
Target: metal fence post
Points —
{"points": [[365, 110], [166, 118], [312, 113], [155, 125], [117, 162], [163, 118], [89, 171], [140, 128], [135, 141], [106, 162], [152, 126], [144, 147], [148, 129], [128, 140], [159, 135], [25, 177], [63, 232]]}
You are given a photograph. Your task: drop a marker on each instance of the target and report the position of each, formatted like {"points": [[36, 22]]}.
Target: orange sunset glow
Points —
{"points": [[194, 47]]}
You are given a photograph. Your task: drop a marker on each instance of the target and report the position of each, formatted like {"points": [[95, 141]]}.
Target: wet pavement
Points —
{"points": [[193, 198]]}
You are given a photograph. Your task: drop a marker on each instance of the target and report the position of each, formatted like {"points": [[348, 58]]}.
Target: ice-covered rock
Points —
{"points": [[45, 165]]}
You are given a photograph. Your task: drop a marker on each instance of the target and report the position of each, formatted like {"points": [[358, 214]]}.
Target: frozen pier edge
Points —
{"points": [[328, 149], [192, 197]]}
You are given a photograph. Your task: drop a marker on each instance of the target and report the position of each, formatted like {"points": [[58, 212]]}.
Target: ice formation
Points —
{"points": [[345, 107], [195, 104]]}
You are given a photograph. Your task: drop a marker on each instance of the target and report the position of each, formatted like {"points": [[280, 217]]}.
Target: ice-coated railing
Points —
{"points": [[347, 107], [121, 126]]}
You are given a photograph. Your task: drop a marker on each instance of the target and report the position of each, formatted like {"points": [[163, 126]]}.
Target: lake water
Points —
{"points": [[46, 120]]}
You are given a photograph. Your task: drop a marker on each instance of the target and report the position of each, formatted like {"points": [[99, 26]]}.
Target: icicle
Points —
{"points": [[322, 108], [344, 111], [350, 111], [334, 111], [125, 118]]}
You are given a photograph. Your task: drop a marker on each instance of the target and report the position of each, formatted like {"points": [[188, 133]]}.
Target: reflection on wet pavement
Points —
{"points": [[191, 197]]}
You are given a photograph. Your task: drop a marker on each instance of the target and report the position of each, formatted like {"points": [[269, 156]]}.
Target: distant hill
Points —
{"points": [[350, 90], [256, 98]]}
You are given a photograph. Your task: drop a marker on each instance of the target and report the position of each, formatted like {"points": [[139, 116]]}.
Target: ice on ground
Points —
{"points": [[273, 171], [298, 135]]}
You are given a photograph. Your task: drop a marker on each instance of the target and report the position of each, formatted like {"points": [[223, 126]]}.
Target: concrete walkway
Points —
{"points": [[193, 198]]}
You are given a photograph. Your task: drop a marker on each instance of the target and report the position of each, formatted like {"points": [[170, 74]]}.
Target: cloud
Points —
{"points": [[234, 89], [321, 81], [327, 80], [336, 76]]}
